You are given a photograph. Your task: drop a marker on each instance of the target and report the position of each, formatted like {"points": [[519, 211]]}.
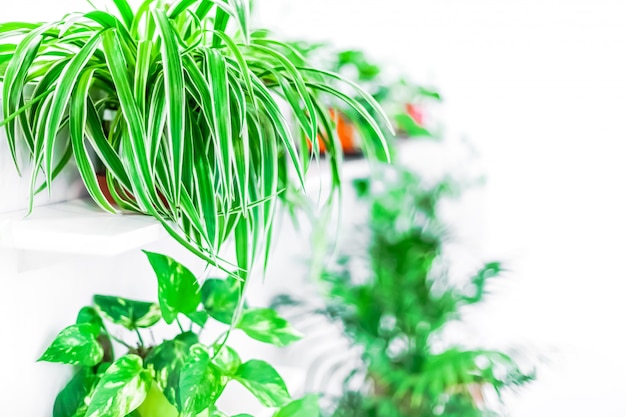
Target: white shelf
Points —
{"points": [[80, 227], [77, 227]]}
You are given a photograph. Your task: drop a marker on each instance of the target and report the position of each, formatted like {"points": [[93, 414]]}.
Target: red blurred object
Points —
{"points": [[104, 187], [416, 112]]}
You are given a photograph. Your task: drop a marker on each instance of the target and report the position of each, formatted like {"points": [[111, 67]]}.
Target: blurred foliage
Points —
{"points": [[404, 101], [394, 298]]}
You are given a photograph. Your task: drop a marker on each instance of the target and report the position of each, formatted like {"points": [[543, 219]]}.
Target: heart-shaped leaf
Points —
{"points": [[128, 313], [166, 362], [75, 345], [307, 406], [199, 317], [265, 325], [220, 298], [179, 291], [90, 315], [227, 359], [200, 382], [71, 400], [121, 390], [263, 382]]}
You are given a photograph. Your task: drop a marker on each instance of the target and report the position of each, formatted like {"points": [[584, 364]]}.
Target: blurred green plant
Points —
{"points": [[393, 300], [178, 377], [405, 102]]}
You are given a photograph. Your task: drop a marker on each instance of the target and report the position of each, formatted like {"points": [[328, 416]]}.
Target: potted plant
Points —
{"points": [[181, 376], [393, 297], [199, 137], [406, 103]]}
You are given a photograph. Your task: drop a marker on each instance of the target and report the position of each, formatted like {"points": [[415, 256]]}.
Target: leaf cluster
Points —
{"points": [[177, 377], [394, 297], [185, 109]]}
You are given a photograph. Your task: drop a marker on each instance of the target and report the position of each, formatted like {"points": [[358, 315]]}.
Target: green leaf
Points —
{"points": [[125, 11], [62, 95], [121, 390], [128, 313], [410, 126], [220, 298], [14, 81], [78, 120], [242, 14], [214, 412], [179, 291], [199, 317], [200, 384], [263, 382], [174, 98], [428, 92], [75, 345], [307, 406], [70, 401], [220, 114], [228, 360], [221, 21], [89, 315], [265, 325], [166, 362], [204, 7], [139, 165], [243, 247], [478, 281]]}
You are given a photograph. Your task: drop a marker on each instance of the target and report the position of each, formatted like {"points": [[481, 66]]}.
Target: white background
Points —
{"points": [[539, 87]]}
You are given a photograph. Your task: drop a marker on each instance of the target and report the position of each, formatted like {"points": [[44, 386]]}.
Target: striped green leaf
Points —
{"points": [[174, 98]]}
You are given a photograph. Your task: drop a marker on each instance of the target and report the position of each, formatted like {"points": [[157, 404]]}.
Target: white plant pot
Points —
{"points": [[14, 189]]}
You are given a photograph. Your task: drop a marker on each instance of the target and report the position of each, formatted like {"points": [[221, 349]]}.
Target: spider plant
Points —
{"points": [[200, 137]]}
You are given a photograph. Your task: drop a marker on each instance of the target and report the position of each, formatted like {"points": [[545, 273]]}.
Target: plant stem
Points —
{"points": [[120, 341], [180, 326], [236, 315], [221, 344], [139, 337]]}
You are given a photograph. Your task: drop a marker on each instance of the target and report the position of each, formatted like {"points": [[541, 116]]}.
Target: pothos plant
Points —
{"points": [[178, 377], [394, 297], [199, 138]]}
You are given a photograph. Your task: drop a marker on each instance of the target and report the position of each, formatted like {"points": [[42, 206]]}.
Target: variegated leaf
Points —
{"points": [[75, 345], [121, 390]]}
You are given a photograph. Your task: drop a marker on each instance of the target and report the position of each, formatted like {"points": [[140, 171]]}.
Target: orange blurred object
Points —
{"points": [[345, 131]]}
